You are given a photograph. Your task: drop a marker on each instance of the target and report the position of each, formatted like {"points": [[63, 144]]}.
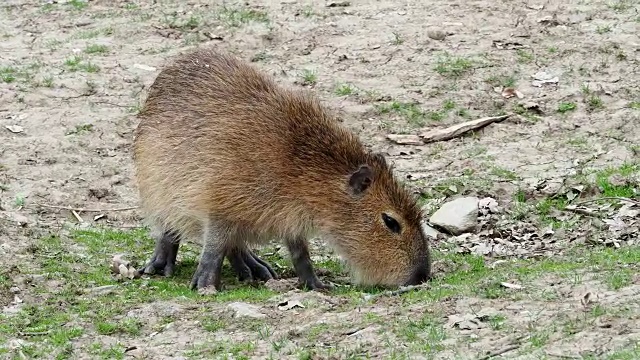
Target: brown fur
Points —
{"points": [[219, 140]]}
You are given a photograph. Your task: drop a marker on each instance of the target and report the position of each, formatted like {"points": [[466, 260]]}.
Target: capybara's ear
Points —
{"points": [[361, 179]]}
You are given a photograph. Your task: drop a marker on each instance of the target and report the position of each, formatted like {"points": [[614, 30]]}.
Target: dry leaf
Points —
{"points": [[511, 92], [542, 78]]}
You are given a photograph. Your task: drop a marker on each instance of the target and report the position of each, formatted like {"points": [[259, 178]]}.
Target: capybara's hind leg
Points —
{"points": [[163, 261], [248, 266]]}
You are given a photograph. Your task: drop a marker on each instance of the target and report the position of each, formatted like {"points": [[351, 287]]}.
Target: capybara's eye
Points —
{"points": [[391, 223]]}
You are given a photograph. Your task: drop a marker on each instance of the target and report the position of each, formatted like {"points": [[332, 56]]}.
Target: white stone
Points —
{"points": [[243, 309], [457, 216]]}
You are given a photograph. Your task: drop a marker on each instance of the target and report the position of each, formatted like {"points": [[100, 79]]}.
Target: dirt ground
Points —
{"points": [[73, 74]]}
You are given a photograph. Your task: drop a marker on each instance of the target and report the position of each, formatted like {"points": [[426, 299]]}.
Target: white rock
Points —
{"points": [[429, 231], [489, 205], [243, 309], [457, 216]]}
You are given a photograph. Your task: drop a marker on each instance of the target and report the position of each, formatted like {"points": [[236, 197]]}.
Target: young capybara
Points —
{"points": [[225, 155]]}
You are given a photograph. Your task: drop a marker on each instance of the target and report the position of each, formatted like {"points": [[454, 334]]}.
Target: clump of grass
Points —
{"points": [[502, 80], [309, 77], [448, 105], [80, 129], [76, 63], [47, 81], [566, 107], [603, 29], [78, 4], [345, 89], [88, 34], [23, 74], [307, 11], [397, 39], [261, 56], [621, 5], [503, 173], [526, 113], [410, 111], [238, 16], [593, 101], [8, 74], [175, 22], [546, 208], [611, 188], [96, 49], [453, 67], [436, 115], [524, 56]]}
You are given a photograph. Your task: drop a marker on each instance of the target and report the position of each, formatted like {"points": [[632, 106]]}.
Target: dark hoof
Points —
{"points": [[158, 267], [205, 278], [316, 285], [163, 261], [248, 266]]}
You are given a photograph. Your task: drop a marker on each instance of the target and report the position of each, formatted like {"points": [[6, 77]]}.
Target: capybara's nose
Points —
{"points": [[421, 274]]}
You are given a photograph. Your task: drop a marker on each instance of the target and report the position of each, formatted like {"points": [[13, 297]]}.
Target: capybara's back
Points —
{"points": [[226, 155]]}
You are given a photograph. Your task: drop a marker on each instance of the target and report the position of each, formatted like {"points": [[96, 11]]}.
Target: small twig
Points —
{"points": [[86, 210], [585, 212], [75, 214], [71, 97], [636, 202], [499, 352], [110, 103]]}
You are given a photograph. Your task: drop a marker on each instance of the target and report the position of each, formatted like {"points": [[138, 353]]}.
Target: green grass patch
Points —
{"points": [[412, 112], [567, 107], [238, 16], [22, 74], [620, 188], [453, 67], [77, 63], [503, 80], [309, 77], [471, 275], [80, 264], [345, 90], [96, 49], [8, 74], [524, 56]]}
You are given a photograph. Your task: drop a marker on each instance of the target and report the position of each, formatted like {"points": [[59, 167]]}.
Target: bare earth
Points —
{"points": [[73, 75]]}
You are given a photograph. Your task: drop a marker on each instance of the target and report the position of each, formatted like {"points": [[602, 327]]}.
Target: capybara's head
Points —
{"points": [[377, 228]]}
